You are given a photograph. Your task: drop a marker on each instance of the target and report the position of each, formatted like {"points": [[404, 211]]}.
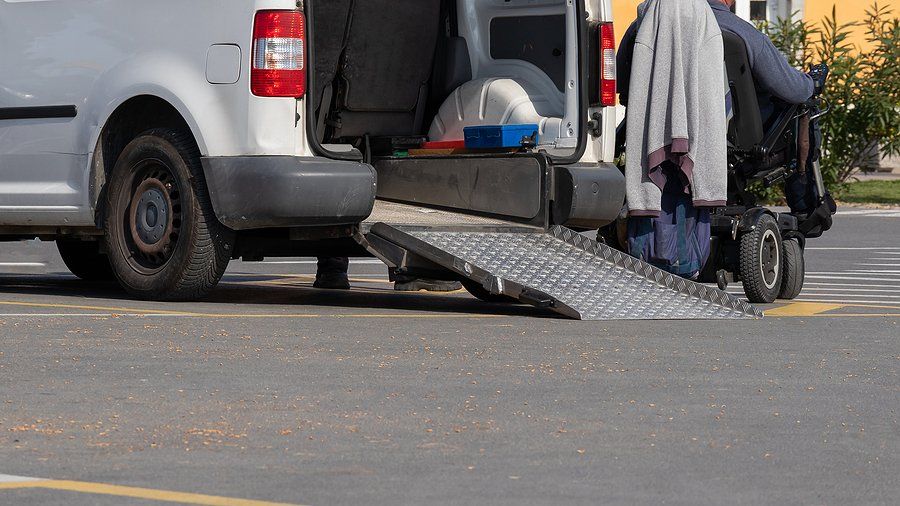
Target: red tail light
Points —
{"points": [[278, 66], [607, 65]]}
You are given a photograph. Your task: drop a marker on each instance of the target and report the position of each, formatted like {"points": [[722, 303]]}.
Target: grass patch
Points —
{"points": [[871, 192]]}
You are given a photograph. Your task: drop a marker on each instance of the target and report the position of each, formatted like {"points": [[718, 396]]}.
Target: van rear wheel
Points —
{"points": [[84, 259], [163, 238]]}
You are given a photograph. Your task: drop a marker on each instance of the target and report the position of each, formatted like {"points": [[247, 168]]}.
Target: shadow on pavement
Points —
{"points": [[230, 294]]}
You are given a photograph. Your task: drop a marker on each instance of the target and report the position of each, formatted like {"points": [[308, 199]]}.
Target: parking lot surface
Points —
{"points": [[274, 392]]}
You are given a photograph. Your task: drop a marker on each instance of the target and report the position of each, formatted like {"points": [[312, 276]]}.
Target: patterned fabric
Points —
{"points": [[678, 240]]}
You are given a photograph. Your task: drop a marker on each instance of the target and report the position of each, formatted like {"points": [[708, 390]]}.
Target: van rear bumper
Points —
{"points": [[253, 192]]}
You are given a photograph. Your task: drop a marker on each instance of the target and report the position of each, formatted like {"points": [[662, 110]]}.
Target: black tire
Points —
{"points": [[481, 293], [84, 259], [794, 270], [163, 239], [762, 258]]}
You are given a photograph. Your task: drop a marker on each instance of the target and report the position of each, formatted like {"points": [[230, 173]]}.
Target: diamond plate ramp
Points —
{"points": [[567, 272]]}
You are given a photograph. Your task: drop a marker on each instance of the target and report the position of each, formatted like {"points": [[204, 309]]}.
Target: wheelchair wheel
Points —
{"points": [[794, 270], [762, 260]]}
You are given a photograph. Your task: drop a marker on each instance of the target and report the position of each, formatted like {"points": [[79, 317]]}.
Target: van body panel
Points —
{"points": [[96, 55], [93, 56]]}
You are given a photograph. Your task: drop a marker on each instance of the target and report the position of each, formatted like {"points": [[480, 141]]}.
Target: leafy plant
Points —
{"points": [[863, 89]]}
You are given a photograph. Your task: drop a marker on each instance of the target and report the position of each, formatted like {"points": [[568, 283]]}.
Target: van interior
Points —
{"points": [[390, 76]]}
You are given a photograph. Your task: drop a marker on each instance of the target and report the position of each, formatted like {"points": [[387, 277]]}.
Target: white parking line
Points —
{"points": [[855, 248], [832, 301], [851, 272], [860, 285], [847, 288], [8, 478], [22, 264], [314, 262], [813, 293], [879, 213], [848, 278]]}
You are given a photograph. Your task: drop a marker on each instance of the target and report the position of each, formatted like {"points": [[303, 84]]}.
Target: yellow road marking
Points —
{"points": [[803, 309], [137, 493], [796, 309], [154, 312], [859, 315], [307, 278], [93, 308]]}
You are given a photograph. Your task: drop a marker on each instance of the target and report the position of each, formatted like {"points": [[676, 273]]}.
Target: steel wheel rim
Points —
{"points": [[153, 216], [769, 259]]}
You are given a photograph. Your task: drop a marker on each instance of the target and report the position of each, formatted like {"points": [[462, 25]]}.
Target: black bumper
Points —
{"points": [[587, 195], [252, 192]]}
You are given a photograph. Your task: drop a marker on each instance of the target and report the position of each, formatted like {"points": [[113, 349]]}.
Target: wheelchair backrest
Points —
{"points": [[746, 128]]}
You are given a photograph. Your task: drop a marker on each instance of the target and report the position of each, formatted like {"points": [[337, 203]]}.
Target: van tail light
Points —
{"points": [[607, 65], [278, 66]]}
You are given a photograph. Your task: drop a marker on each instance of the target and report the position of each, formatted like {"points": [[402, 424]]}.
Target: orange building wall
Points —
{"points": [[847, 11], [624, 12]]}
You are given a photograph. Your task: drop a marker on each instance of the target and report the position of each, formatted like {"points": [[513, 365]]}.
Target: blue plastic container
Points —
{"points": [[500, 136]]}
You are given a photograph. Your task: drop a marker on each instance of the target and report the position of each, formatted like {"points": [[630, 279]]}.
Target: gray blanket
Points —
{"points": [[676, 105]]}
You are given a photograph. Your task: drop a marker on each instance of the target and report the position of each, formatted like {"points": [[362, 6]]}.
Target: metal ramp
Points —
{"points": [[557, 268]]}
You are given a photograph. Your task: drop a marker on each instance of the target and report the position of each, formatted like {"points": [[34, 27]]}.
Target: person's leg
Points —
{"points": [[800, 190], [332, 273]]}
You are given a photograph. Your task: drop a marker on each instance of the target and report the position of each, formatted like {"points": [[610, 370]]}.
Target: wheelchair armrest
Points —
{"points": [[782, 122]]}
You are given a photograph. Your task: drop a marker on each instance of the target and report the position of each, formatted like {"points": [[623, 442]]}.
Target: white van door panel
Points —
{"points": [[47, 66]]}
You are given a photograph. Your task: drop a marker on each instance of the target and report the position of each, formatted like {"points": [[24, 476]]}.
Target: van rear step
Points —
{"points": [[556, 268]]}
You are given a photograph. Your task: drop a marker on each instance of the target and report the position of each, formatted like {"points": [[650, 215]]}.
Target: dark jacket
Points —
{"points": [[771, 71]]}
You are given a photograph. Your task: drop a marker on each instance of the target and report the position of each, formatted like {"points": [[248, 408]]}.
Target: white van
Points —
{"points": [[156, 141]]}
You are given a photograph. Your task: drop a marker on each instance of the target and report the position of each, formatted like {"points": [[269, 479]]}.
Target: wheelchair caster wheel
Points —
{"points": [[794, 270], [722, 279], [762, 261]]}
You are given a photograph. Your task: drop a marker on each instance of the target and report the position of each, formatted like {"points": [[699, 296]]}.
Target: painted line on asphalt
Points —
{"points": [[876, 285], [22, 264], [848, 278], [308, 279], [859, 315], [867, 303], [108, 312], [816, 293], [18, 482], [89, 308], [854, 248], [882, 213], [250, 316], [888, 276], [810, 308], [314, 262], [802, 309], [850, 288]]}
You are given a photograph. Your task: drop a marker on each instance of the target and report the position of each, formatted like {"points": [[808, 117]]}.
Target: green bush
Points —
{"points": [[863, 89]]}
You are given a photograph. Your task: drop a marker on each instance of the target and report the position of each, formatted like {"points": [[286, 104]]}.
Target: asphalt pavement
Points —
{"points": [[274, 392]]}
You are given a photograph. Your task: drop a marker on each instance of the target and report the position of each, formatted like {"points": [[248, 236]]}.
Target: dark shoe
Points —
{"points": [[332, 281], [404, 284]]}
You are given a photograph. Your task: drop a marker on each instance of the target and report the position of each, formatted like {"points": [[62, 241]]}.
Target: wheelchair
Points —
{"points": [[755, 245]]}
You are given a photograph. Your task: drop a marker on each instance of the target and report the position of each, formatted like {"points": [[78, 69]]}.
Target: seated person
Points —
{"points": [[774, 76]]}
